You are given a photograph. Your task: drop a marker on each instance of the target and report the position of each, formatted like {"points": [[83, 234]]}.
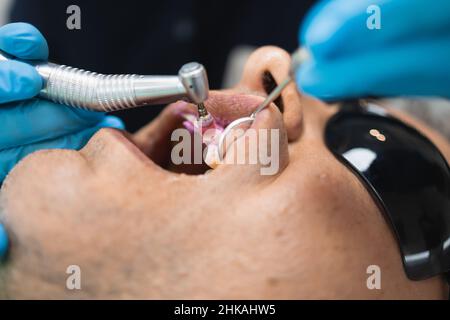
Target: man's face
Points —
{"points": [[139, 230]]}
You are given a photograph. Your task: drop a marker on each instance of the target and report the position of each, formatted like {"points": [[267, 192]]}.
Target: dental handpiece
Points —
{"points": [[99, 92]]}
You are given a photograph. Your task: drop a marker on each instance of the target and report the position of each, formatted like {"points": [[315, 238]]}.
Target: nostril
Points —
{"points": [[269, 85]]}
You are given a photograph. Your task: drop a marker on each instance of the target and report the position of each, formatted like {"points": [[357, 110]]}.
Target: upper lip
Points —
{"points": [[226, 107]]}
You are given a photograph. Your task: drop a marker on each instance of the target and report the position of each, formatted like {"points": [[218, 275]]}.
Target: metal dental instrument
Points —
{"points": [[204, 118], [99, 92], [298, 57]]}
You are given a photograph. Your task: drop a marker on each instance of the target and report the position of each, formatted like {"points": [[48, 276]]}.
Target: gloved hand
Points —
{"points": [[408, 56], [28, 124]]}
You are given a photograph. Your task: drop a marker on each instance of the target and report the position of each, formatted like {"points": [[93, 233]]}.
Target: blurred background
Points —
{"points": [[157, 37], [4, 11]]}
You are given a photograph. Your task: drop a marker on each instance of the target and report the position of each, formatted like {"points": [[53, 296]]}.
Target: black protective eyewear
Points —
{"points": [[406, 175]]}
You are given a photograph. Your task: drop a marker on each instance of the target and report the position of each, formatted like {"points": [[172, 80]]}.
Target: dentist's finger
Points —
{"points": [[23, 41], [400, 74], [18, 81], [331, 23]]}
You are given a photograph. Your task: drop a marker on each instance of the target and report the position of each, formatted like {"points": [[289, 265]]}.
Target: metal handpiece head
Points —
{"points": [[195, 81]]}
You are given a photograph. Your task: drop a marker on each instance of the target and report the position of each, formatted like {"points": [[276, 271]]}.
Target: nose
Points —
{"points": [[263, 71]]}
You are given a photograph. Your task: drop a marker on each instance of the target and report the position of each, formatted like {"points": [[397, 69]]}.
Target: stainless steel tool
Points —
{"points": [[99, 92]]}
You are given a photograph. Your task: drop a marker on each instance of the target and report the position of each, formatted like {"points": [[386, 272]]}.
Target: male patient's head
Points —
{"points": [[139, 230]]}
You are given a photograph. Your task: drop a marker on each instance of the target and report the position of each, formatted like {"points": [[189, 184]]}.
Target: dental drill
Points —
{"points": [[105, 93]]}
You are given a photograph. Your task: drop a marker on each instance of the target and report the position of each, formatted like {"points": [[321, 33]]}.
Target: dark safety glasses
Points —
{"points": [[406, 175]]}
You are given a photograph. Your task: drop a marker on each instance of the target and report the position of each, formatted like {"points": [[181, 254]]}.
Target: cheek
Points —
{"points": [[333, 197], [324, 219], [59, 212]]}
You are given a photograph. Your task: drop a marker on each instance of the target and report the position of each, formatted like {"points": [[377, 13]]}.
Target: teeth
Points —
{"points": [[210, 137], [212, 158], [206, 121], [189, 117]]}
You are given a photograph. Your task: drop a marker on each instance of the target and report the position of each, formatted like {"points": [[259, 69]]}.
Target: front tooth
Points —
{"points": [[212, 158]]}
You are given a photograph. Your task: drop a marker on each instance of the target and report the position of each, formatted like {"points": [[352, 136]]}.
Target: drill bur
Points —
{"points": [[203, 115]]}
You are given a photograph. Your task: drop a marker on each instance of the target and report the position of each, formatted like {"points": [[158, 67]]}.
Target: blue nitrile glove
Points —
{"points": [[28, 124], [408, 56], [3, 242]]}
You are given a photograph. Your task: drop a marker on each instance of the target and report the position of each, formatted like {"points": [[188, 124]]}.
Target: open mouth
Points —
{"points": [[157, 142], [224, 109]]}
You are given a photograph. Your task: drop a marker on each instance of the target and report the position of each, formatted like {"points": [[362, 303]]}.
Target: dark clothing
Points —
{"points": [[157, 37]]}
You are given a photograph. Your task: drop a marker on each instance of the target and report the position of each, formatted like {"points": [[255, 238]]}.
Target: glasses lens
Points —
{"points": [[408, 178]]}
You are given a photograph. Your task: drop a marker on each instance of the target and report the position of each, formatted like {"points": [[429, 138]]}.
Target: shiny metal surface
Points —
{"points": [[194, 79], [99, 92], [232, 126]]}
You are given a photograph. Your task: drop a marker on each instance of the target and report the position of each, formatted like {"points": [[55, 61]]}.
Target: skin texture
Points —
{"points": [[139, 230]]}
